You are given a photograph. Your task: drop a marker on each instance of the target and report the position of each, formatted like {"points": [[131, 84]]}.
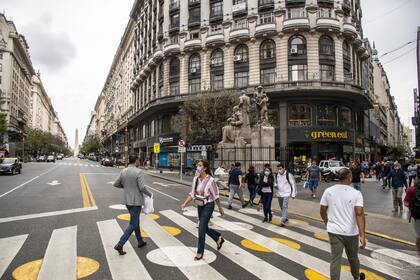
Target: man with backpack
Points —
{"points": [[286, 188], [412, 201]]}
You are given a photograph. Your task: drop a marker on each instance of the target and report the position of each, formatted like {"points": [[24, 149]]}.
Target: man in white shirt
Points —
{"points": [[342, 212], [286, 187]]}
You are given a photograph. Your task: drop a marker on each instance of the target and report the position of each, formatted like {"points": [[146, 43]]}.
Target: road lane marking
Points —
{"points": [[62, 246], [236, 254], [9, 247], [85, 197], [92, 200], [163, 239], [27, 182], [124, 267], [174, 198], [366, 261], [46, 214]]}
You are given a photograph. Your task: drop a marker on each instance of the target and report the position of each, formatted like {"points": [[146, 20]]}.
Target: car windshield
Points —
{"points": [[336, 164], [7, 161]]}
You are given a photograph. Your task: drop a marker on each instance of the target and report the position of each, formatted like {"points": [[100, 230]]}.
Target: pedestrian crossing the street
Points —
{"points": [[291, 252]]}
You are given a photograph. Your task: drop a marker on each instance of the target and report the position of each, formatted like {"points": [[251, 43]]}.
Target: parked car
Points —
{"points": [[59, 157], [120, 162], [81, 156], [11, 166], [50, 159], [107, 161], [330, 168]]}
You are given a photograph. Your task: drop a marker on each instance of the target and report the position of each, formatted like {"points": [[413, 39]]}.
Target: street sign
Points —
{"points": [[182, 149], [156, 148], [181, 143]]}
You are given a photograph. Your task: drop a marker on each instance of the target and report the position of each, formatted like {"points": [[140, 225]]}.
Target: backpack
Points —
{"points": [[415, 205]]}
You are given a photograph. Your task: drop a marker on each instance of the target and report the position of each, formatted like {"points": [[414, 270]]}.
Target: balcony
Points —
{"points": [[174, 28], [264, 5], [346, 6], [265, 29], [192, 44], [173, 7], [326, 2], [194, 23], [193, 3], [215, 39], [240, 9], [296, 24], [295, 2], [358, 41], [171, 49], [328, 24], [349, 30], [239, 34], [158, 56]]}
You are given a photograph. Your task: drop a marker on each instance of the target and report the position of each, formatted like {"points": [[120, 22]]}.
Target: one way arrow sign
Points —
{"points": [[54, 183]]}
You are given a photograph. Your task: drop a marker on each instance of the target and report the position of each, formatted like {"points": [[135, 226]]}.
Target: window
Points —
{"points": [[299, 115], [327, 115], [241, 79], [324, 12], [1, 67], [216, 58], [346, 118], [266, 18], [175, 21], [298, 72], [326, 46], [216, 81], [174, 68], [194, 64], [241, 53], [268, 76], [194, 85], [348, 76], [267, 50], [216, 29], [297, 45], [194, 35], [216, 9], [174, 88], [327, 72], [236, 2], [195, 15], [296, 13], [174, 40], [240, 23]]}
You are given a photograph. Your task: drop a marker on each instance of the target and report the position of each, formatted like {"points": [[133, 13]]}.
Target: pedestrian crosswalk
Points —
{"points": [[174, 253], [76, 164]]}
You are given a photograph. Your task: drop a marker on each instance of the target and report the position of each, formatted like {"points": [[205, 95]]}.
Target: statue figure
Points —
{"points": [[262, 106], [233, 129], [244, 105]]}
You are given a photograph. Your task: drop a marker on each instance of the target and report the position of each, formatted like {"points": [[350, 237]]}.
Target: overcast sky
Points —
{"points": [[73, 43]]}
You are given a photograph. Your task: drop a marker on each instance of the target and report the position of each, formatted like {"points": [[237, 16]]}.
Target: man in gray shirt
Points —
{"points": [[131, 179]]}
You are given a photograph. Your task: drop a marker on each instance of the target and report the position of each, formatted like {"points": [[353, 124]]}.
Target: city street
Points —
{"points": [[57, 218]]}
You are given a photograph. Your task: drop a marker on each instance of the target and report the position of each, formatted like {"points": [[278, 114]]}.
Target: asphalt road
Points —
{"points": [[54, 212]]}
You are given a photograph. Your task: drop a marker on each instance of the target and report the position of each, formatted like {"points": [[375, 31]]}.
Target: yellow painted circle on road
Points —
{"points": [[143, 234], [301, 222], [322, 236], [126, 216], [30, 270], [276, 222], [314, 275], [288, 243], [254, 246], [171, 230], [369, 275]]}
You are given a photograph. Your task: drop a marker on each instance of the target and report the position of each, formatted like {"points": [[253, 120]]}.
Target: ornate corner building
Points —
{"points": [[310, 56]]}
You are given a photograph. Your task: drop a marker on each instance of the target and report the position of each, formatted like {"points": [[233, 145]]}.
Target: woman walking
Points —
{"points": [[251, 179], [266, 185], [205, 193]]}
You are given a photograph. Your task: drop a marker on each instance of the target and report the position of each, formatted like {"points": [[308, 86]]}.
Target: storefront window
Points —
{"points": [[327, 115], [299, 115], [346, 119]]}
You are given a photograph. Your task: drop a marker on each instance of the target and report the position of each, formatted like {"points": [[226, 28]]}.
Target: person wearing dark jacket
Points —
{"points": [[386, 171], [251, 179], [266, 185], [398, 181]]}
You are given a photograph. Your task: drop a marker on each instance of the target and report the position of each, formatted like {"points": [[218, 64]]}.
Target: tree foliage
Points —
{"points": [[3, 123], [202, 117], [397, 152], [92, 145], [38, 142]]}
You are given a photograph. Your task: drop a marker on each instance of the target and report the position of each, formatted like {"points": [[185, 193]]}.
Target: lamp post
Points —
{"points": [[126, 146]]}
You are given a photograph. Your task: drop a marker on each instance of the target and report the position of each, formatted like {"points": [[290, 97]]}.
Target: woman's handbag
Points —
{"points": [[199, 200], [306, 185]]}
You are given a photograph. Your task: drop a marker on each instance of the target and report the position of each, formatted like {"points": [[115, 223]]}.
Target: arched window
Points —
{"points": [[346, 119], [174, 68], [241, 66], [348, 76], [194, 77], [267, 50], [326, 58], [216, 70], [297, 59]]}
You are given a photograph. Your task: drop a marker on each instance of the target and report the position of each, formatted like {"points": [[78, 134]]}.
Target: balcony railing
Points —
{"points": [[193, 2], [240, 24]]}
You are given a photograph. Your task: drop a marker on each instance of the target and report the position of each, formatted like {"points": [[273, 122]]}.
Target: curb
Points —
{"points": [[225, 194]]}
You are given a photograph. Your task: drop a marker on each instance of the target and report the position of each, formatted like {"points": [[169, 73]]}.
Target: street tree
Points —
{"points": [[92, 145]]}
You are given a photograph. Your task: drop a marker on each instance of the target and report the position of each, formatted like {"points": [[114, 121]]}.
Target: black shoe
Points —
{"points": [[270, 219], [120, 250], [141, 244], [362, 276], [244, 205], [287, 220], [219, 246], [265, 220], [199, 258], [230, 207]]}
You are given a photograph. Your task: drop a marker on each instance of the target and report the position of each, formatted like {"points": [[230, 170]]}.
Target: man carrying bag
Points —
{"points": [[131, 179]]}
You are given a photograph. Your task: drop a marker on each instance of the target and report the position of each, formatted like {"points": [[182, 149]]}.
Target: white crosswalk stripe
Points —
{"points": [[63, 247], [9, 247], [124, 267]]}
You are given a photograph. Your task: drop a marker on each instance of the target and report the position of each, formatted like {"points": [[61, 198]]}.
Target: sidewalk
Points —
{"points": [[395, 229]]}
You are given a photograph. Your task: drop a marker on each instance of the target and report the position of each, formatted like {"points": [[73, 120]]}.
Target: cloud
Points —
{"points": [[50, 50]]}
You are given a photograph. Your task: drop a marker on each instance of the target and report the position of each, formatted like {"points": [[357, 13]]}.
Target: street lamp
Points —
{"points": [[126, 146]]}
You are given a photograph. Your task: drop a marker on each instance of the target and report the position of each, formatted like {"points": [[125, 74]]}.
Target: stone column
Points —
{"points": [[339, 71], [313, 56]]}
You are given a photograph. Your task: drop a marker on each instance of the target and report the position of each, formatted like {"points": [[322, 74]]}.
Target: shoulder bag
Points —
{"points": [[200, 200]]}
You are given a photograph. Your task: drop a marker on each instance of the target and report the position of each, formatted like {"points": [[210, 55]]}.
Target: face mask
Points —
{"points": [[267, 172], [199, 170]]}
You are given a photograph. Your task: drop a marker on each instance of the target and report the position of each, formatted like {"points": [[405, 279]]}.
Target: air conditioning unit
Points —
{"points": [[193, 70], [237, 58], [293, 50]]}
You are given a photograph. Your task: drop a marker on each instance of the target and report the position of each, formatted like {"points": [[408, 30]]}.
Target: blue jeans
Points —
{"points": [[356, 186], [252, 192], [133, 226], [284, 206], [266, 200], [204, 215]]}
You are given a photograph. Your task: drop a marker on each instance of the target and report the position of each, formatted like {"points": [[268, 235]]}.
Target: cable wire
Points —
{"points": [[394, 50], [398, 57]]}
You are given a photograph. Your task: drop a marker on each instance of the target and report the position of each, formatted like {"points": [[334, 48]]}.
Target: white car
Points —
{"points": [[50, 159], [332, 165]]}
